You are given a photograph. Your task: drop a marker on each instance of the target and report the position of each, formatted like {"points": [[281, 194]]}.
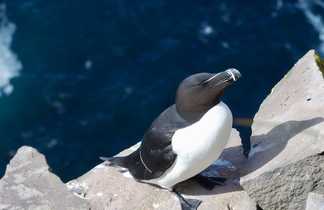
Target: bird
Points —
{"points": [[186, 138]]}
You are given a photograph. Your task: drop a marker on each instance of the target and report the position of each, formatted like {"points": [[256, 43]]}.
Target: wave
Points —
{"points": [[314, 19], [10, 66]]}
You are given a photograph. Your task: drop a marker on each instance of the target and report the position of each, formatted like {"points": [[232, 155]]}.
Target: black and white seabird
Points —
{"points": [[187, 137]]}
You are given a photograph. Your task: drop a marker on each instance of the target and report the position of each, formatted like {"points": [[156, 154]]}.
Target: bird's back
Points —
{"points": [[155, 155]]}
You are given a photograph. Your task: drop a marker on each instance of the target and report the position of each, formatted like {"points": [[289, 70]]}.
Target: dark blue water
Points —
{"points": [[96, 73]]}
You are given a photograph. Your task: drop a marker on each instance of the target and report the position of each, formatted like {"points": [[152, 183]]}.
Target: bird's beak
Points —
{"points": [[234, 73], [226, 77]]}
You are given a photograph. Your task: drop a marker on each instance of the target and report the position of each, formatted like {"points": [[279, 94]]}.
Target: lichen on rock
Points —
{"points": [[320, 63]]}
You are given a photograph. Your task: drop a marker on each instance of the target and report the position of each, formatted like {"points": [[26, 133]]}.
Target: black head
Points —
{"points": [[200, 92]]}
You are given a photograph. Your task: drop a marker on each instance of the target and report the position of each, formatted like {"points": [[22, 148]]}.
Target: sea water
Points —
{"points": [[81, 79]]}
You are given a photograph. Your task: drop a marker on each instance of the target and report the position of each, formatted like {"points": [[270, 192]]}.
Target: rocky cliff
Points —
{"points": [[285, 168]]}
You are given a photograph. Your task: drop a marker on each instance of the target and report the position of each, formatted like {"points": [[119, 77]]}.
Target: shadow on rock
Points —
{"points": [[265, 148]]}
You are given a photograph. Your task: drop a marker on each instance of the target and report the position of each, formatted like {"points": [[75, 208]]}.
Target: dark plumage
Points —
{"points": [[195, 96]]}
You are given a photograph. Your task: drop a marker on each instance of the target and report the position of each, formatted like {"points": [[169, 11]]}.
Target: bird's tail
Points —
{"points": [[114, 161]]}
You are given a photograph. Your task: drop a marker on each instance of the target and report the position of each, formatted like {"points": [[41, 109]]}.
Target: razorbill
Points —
{"points": [[187, 137]]}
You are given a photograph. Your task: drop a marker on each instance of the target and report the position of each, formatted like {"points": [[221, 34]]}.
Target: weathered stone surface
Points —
{"points": [[228, 197], [27, 184], [286, 163], [287, 133], [315, 201], [287, 187], [106, 188]]}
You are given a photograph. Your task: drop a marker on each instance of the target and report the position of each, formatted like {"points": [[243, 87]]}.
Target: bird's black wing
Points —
{"points": [[155, 154]]}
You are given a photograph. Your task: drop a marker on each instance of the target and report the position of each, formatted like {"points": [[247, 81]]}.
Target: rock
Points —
{"points": [[106, 188], [315, 201], [228, 197], [287, 187], [287, 135], [28, 184], [285, 166]]}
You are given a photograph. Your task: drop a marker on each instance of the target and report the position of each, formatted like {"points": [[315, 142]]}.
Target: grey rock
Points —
{"points": [[107, 188], [285, 165], [287, 135], [28, 184], [288, 187], [315, 201]]}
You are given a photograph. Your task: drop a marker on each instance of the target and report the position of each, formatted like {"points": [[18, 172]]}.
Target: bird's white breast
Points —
{"points": [[198, 145]]}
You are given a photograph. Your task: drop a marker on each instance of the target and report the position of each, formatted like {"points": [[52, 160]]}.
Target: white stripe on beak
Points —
{"points": [[211, 78], [232, 74]]}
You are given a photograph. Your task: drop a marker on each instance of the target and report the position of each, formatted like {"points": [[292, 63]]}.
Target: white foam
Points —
{"points": [[207, 30], [225, 45], [10, 66], [319, 3], [52, 143], [314, 19], [279, 4], [88, 64]]}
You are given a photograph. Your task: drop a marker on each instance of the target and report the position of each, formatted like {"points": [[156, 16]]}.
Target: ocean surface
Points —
{"points": [[81, 79]]}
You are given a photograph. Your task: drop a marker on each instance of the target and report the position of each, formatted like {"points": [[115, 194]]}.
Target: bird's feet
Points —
{"points": [[187, 204], [209, 182]]}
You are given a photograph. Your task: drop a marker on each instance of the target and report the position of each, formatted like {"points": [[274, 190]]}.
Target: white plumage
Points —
{"points": [[198, 146]]}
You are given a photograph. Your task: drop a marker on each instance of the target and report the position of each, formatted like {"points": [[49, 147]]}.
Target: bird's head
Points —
{"points": [[199, 92]]}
